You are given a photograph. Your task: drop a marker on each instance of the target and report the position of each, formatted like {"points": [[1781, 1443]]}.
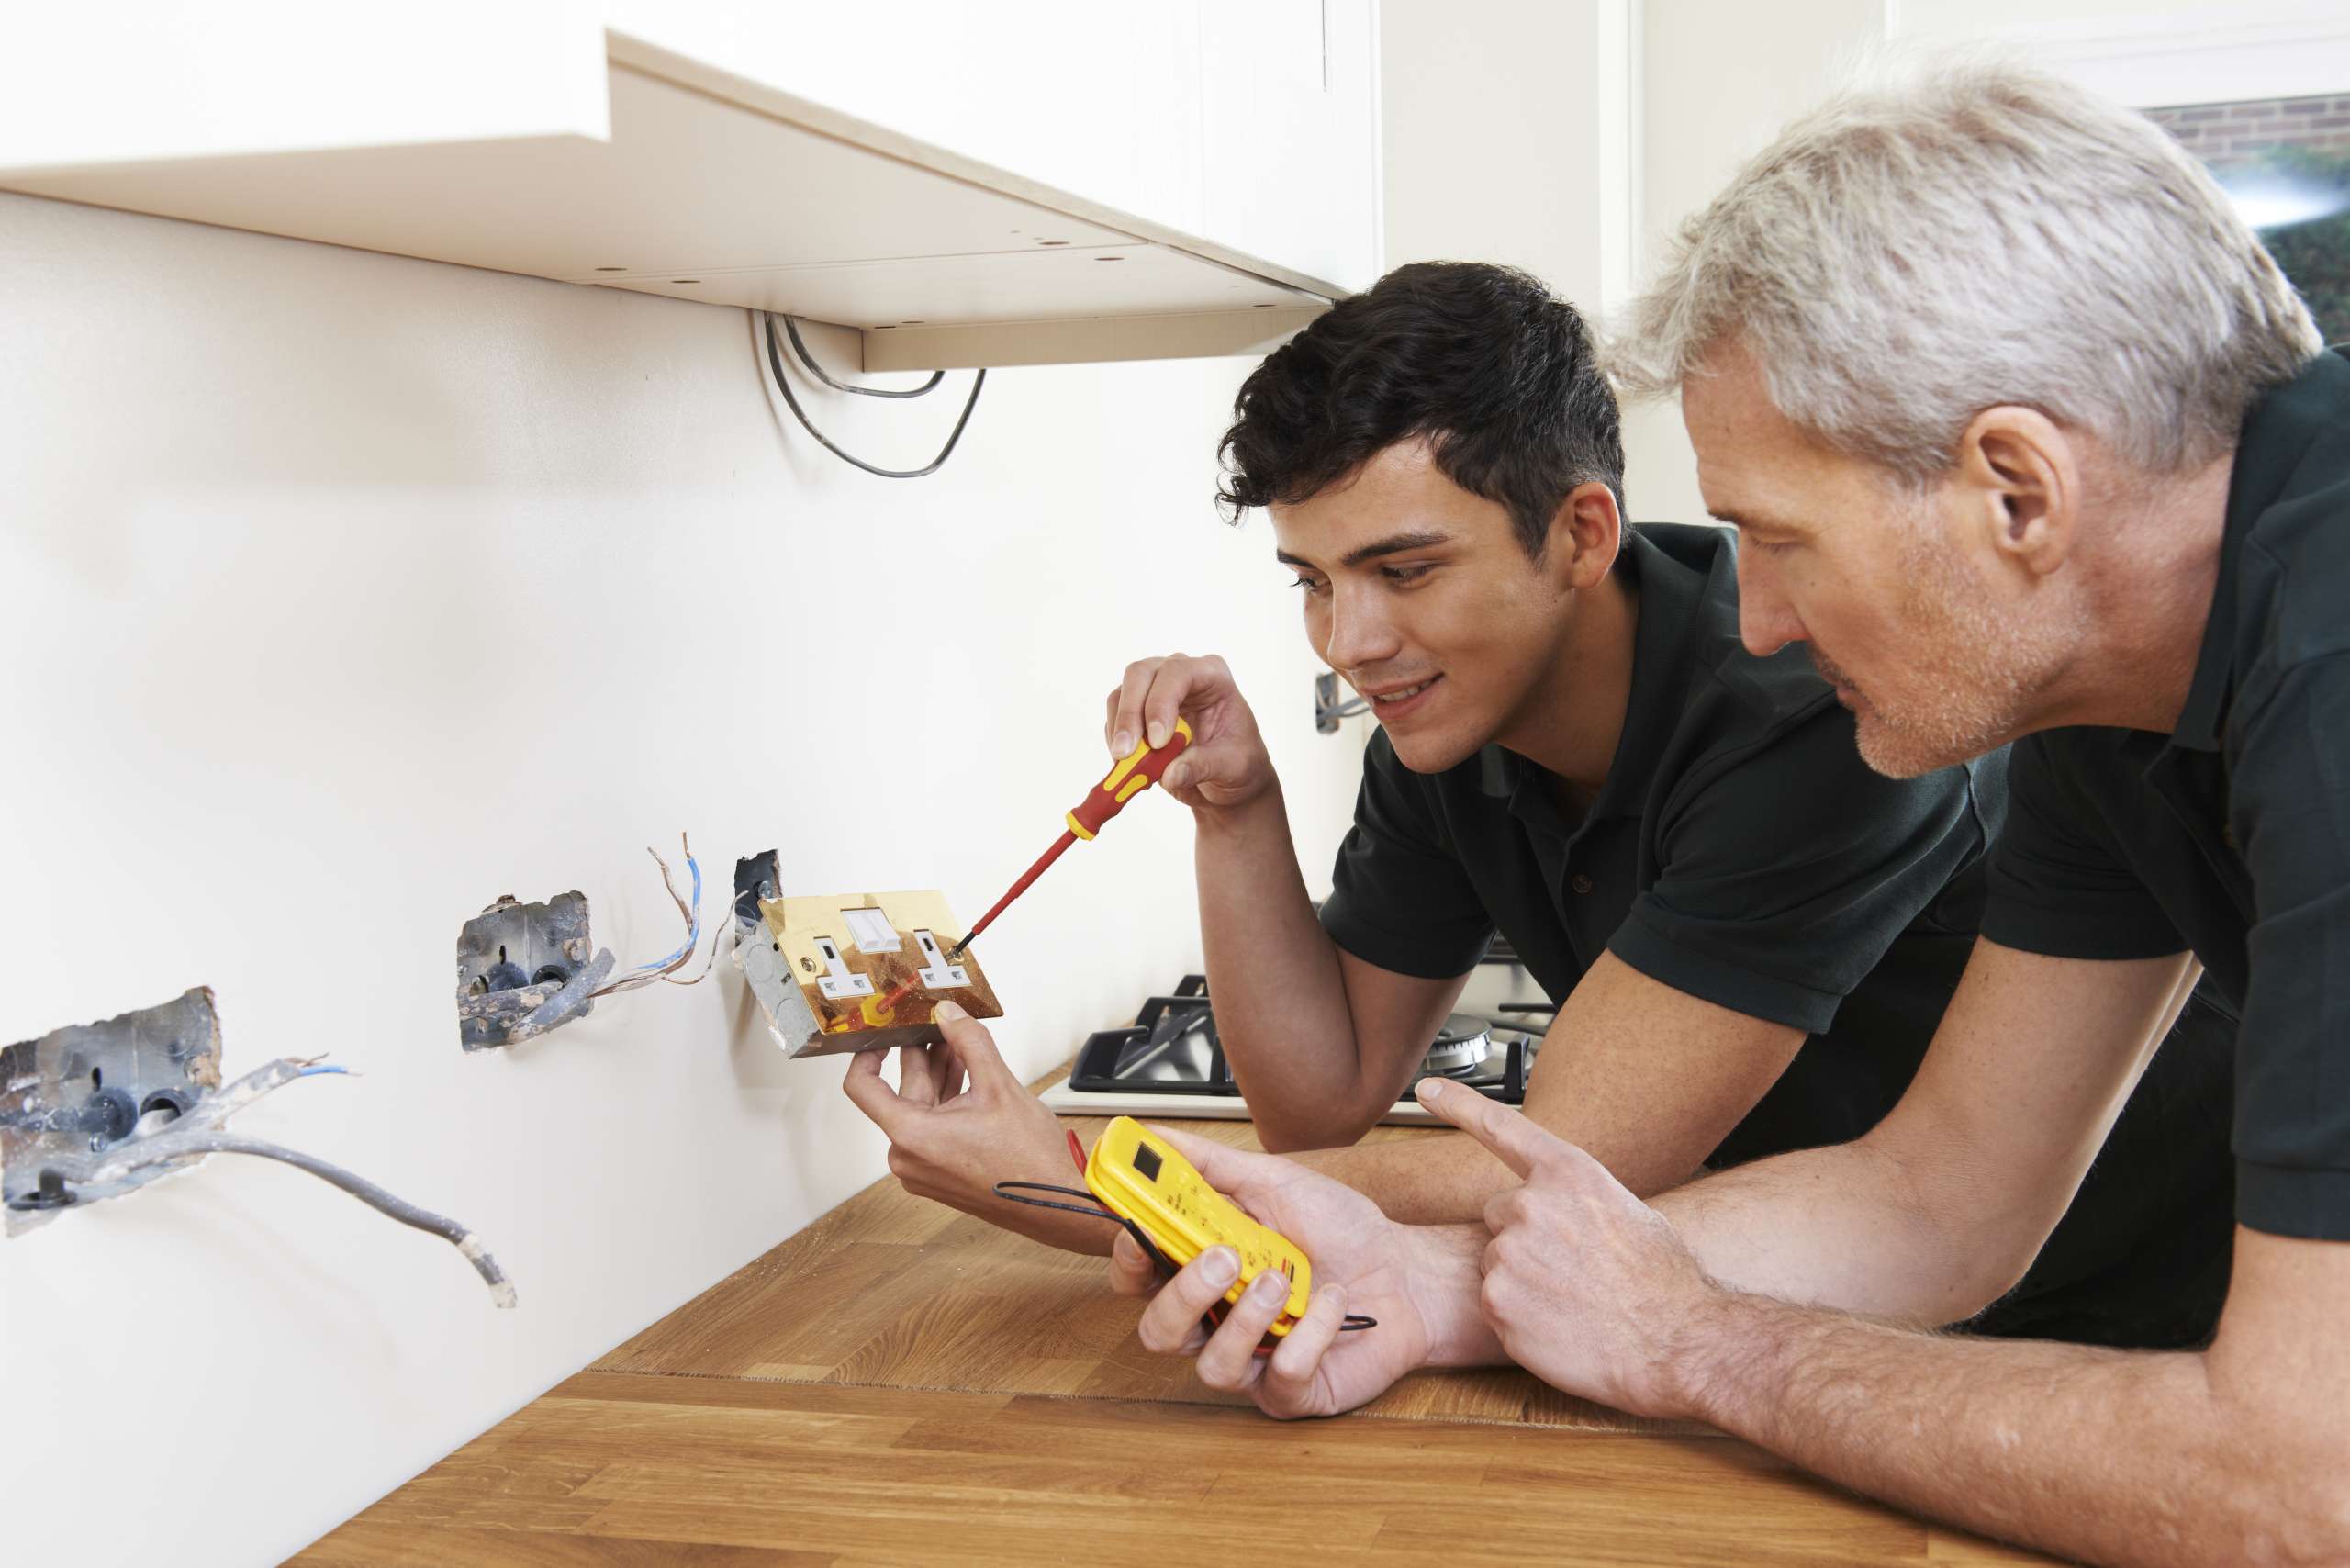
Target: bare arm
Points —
{"points": [[2231, 1454], [1320, 1042], [1647, 1079], [1940, 1210], [2240, 1453]]}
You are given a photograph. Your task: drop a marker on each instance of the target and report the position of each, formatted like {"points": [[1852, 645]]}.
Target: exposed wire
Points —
{"points": [[783, 384], [198, 1134], [690, 910], [791, 331], [569, 1000]]}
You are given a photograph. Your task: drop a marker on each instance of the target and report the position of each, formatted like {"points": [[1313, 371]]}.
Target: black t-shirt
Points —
{"points": [[2231, 835], [1740, 851]]}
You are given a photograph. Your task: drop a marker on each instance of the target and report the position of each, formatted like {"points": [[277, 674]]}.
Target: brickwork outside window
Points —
{"points": [[2286, 160]]}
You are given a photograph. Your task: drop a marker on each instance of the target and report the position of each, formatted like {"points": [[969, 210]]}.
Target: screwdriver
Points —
{"points": [[1139, 771]]}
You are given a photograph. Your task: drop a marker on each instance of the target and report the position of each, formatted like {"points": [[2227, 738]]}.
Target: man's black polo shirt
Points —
{"points": [[1740, 851], [2231, 835]]}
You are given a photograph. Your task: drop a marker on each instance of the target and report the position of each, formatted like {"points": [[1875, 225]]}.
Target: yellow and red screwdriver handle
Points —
{"points": [[1145, 765]]}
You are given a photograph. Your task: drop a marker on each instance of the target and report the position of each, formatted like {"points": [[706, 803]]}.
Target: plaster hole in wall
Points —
{"points": [[910, 323], [1052, 241], [1109, 258], [77, 1090], [1265, 305], [685, 280], [611, 269], [512, 959], [157, 1067]]}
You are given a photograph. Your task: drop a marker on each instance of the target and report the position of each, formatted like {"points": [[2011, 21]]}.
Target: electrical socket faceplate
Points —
{"points": [[939, 974], [80, 1089], [816, 965]]}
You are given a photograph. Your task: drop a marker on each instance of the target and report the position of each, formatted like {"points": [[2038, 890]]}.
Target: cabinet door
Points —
{"points": [[1289, 133], [1248, 123], [1098, 100], [116, 85]]}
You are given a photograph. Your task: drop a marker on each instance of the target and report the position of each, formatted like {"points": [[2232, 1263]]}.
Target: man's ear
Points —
{"points": [[1585, 533], [2018, 488]]}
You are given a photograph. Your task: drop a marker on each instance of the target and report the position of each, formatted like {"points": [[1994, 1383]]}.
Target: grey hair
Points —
{"points": [[1914, 252]]}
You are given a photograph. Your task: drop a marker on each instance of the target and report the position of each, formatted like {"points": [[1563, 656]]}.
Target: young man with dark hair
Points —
{"points": [[1751, 935]]}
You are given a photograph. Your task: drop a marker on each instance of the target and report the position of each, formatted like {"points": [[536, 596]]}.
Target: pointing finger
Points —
{"points": [[1516, 1142]]}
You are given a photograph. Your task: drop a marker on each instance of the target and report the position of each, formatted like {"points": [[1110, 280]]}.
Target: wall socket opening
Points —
{"points": [[80, 1090], [514, 963], [94, 1111]]}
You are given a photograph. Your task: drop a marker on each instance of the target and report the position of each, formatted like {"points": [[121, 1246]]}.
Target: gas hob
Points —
{"points": [[1171, 1062]]}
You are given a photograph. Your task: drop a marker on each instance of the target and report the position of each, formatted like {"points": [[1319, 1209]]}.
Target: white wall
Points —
{"points": [[1506, 131], [339, 594], [1716, 84]]}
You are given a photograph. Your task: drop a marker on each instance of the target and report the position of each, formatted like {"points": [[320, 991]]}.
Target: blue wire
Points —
{"points": [[693, 924], [309, 1072]]}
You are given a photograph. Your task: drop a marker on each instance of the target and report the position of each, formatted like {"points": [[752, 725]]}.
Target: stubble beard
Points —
{"points": [[1975, 677]]}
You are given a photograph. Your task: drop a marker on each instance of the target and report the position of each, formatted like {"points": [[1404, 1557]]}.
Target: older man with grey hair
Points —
{"points": [[2025, 434]]}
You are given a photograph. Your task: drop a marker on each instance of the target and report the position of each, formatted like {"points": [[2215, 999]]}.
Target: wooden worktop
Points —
{"points": [[901, 1383]]}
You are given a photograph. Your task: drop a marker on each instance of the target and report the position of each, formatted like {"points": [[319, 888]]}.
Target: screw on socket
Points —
{"points": [[50, 1193]]}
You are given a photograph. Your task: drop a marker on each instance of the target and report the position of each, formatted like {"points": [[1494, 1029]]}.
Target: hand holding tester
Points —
{"points": [[1141, 1178], [1169, 1208]]}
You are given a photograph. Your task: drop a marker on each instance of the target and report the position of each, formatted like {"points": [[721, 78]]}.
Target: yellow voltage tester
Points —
{"points": [[1169, 1208], [1140, 1178]]}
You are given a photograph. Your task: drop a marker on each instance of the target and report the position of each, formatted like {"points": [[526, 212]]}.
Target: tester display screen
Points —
{"points": [[1147, 1161]]}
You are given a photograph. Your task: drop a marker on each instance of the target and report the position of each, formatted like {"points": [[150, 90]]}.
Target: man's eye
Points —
{"points": [[1405, 574], [1310, 585]]}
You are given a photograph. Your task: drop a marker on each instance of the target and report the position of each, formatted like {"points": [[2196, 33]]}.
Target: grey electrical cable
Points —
{"points": [[783, 384], [567, 1003], [168, 1146], [791, 331]]}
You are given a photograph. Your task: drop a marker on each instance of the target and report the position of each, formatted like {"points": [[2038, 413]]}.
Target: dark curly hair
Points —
{"points": [[1499, 376]]}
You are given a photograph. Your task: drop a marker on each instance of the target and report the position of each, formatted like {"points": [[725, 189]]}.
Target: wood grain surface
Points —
{"points": [[901, 1383]]}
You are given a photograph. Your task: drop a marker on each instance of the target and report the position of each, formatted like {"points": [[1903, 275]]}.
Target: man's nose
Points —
{"points": [[1360, 634], [1766, 621]]}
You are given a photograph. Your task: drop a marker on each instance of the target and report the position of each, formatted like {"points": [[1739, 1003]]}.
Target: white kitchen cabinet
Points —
{"points": [[1252, 123], [964, 185]]}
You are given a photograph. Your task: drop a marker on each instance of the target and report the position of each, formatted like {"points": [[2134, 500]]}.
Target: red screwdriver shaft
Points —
{"points": [[1018, 888], [912, 983]]}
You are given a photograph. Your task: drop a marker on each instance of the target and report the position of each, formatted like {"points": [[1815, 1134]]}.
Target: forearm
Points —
{"points": [[2103, 1455], [1418, 1180], [1837, 1227], [1281, 999], [1445, 1180]]}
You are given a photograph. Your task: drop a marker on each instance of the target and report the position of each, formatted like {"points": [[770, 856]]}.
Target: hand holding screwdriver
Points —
{"points": [[1228, 764]]}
